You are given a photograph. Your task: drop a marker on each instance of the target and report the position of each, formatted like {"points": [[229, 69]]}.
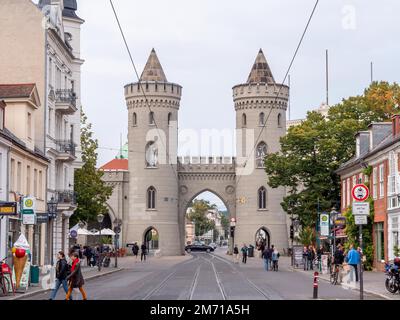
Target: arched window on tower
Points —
{"points": [[261, 152], [244, 120], [134, 119], [169, 118], [151, 118], [261, 119], [279, 120], [151, 198], [262, 198]]}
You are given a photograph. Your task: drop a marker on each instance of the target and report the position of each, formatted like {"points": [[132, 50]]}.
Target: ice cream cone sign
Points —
{"points": [[20, 257]]}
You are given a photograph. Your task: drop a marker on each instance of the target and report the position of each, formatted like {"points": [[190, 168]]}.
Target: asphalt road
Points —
{"points": [[206, 277]]}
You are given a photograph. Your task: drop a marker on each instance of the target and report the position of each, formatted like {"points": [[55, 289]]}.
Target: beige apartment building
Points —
{"points": [[27, 165]]}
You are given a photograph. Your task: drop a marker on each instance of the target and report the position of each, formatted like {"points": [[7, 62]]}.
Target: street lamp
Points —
{"points": [[52, 211], [333, 215], [117, 230], [100, 218]]}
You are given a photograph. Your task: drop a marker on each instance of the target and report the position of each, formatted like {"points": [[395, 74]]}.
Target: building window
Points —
{"points": [[375, 183], [261, 152], [151, 118], [392, 174], [134, 119], [169, 118], [40, 184], [244, 120], [19, 177], [262, 198], [35, 183], [379, 241], [279, 120], [151, 198], [261, 119], [12, 175], [28, 180], [381, 181], [344, 194], [29, 125]]}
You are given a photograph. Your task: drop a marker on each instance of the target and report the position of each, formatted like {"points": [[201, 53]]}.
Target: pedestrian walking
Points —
{"points": [[75, 278], [320, 252], [244, 253], [338, 260], [266, 255], [135, 250], [305, 258], [236, 254], [61, 275], [144, 252], [353, 259], [311, 257], [275, 258]]}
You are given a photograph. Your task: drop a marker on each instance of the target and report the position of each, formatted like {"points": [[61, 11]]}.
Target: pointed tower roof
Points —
{"points": [[261, 71], [153, 70]]}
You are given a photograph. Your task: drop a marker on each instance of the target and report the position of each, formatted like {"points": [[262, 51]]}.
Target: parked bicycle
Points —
{"points": [[335, 270], [6, 284]]}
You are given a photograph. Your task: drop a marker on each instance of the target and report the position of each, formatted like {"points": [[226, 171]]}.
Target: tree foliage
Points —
{"points": [[198, 215], [92, 192], [311, 152]]}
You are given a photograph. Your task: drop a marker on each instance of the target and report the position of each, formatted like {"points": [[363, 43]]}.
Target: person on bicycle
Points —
{"points": [[338, 260]]}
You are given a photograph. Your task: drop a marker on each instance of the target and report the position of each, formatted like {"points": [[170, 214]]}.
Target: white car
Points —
{"points": [[214, 245]]}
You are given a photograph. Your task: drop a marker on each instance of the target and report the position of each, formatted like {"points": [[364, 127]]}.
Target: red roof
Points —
{"points": [[21, 90], [116, 164]]}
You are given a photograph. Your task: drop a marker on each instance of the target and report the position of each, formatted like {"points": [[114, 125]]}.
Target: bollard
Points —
{"points": [[315, 295]]}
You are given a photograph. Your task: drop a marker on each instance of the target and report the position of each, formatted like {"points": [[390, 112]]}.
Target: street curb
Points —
{"points": [[345, 286], [30, 294]]}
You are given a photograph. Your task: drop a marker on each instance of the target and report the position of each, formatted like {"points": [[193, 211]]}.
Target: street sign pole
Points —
{"points": [[361, 266]]}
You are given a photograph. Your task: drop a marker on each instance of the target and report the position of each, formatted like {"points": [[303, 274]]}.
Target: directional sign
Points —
{"points": [[42, 218], [29, 219], [360, 220], [73, 233], [361, 208], [360, 192]]}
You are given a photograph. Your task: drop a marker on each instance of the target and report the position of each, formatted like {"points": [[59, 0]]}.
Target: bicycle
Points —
{"points": [[6, 284], [100, 260], [335, 274]]}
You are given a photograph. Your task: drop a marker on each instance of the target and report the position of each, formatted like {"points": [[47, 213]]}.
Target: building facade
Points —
{"points": [[43, 47], [377, 148], [162, 185]]}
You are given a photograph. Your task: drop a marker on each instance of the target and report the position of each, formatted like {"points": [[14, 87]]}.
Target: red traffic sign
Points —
{"points": [[360, 192]]}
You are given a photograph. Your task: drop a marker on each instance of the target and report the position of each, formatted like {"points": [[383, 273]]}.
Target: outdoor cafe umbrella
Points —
{"points": [[105, 232]]}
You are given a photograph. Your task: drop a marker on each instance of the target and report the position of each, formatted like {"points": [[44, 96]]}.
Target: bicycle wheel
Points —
{"points": [[5, 286], [334, 277]]}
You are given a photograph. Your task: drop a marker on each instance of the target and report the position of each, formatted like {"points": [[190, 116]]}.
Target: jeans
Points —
{"points": [[143, 257], [244, 259], [266, 264], [354, 269], [58, 284], [275, 265], [305, 262]]}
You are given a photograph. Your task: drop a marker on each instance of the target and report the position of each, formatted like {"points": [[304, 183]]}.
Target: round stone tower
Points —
{"points": [[153, 139], [257, 104]]}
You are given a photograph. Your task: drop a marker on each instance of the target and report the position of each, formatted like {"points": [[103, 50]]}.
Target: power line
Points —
{"points": [[141, 86], [284, 79]]}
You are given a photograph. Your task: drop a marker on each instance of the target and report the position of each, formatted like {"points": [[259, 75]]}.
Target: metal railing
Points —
{"points": [[66, 146], [66, 197], [66, 96]]}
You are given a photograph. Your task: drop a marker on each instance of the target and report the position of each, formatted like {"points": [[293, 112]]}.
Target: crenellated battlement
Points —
{"points": [[153, 88], [206, 164]]}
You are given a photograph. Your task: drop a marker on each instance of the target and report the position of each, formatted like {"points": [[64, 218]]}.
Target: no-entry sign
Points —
{"points": [[360, 192]]}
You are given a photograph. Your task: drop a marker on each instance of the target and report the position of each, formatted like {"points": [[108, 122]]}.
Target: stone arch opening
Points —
{"points": [[215, 226], [263, 237], [151, 239]]}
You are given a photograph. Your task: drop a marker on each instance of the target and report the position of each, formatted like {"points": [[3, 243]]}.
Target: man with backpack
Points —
{"points": [[266, 255], [244, 253], [135, 250]]}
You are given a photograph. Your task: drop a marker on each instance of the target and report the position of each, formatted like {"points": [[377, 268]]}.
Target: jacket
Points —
{"points": [[76, 277], [144, 248], [267, 254], [244, 251], [353, 257], [135, 249], [275, 256], [338, 257], [61, 269], [235, 250]]}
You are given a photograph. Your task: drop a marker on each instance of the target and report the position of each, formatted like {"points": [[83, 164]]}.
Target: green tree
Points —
{"points": [[311, 152], [198, 215], [92, 192], [306, 236]]}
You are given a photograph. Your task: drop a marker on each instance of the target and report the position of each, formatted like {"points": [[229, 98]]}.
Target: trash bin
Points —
{"points": [[251, 251], [34, 276]]}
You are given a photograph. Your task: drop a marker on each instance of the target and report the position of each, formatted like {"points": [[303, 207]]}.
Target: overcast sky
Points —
{"points": [[208, 46]]}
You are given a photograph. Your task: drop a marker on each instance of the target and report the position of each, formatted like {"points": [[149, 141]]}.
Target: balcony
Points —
{"points": [[65, 101], [65, 150], [66, 200]]}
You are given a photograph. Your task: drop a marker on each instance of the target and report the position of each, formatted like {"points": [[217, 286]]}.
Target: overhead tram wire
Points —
{"points": [[141, 87], [284, 79]]}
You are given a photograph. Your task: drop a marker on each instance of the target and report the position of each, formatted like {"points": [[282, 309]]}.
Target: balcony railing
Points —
{"points": [[66, 96], [66, 197], [66, 146]]}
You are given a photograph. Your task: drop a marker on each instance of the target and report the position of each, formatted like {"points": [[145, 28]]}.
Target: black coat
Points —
{"points": [[144, 248], [76, 277], [135, 249], [61, 269]]}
